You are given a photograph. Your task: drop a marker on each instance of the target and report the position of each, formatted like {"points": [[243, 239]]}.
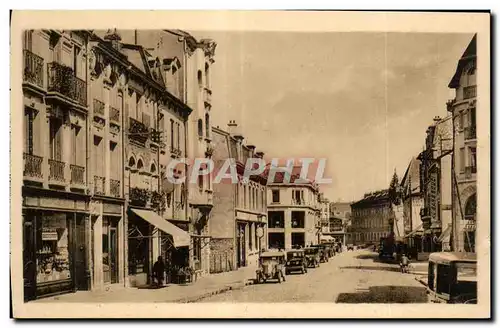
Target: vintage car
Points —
{"points": [[313, 256], [323, 252], [330, 247], [452, 278], [271, 266], [296, 261]]}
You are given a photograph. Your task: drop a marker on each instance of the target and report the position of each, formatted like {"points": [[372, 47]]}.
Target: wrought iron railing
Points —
{"points": [[33, 166], [469, 92], [56, 170], [77, 174], [114, 187], [470, 132], [114, 115], [138, 131], [99, 185], [98, 107], [33, 68], [62, 79]]}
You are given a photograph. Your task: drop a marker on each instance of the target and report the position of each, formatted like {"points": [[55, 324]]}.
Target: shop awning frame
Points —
{"points": [[444, 234], [416, 231], [180, 238]]}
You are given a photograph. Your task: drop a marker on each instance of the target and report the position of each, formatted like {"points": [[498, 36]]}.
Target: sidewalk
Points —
{"points": [[204, 287]]}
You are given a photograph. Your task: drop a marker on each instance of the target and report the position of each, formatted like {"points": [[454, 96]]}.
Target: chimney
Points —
{"points": [[259, 154], [252, 150], [234, 131], [112, 36]]}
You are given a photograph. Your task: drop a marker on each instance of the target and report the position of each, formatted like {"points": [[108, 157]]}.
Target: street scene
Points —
{"points": [[172, 166]]}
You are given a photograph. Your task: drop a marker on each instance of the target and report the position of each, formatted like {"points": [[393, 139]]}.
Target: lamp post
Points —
{"points": [[260, 233]]}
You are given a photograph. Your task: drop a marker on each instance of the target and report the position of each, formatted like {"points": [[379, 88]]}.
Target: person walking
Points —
{"points": [[159, 271]]}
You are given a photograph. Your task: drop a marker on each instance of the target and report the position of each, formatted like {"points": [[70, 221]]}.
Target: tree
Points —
{"points": [[394, 189]]}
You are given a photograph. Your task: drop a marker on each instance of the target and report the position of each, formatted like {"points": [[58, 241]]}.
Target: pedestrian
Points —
{"points": [[159, 271], [404, 262]]}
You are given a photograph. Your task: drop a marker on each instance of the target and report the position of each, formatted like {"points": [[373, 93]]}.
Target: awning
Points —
{"points": [[416, 231], [327, 238], [446, 233], [180, 237]]}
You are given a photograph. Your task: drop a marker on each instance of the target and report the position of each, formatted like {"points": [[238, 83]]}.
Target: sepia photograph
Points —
{"points": [[242, 165]]}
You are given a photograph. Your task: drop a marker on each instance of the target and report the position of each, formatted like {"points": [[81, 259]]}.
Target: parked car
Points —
{"points": [[296, 261], [323, 252], [271, 266], [452, 278], [312, 256]]}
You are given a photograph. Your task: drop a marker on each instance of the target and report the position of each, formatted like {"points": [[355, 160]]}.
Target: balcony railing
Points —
{"points": [[425, 213], [98, 107], [33, 68], [62, 79], [469, 92], [114, 187], [99, 185], [77, 174], [33, 166], [470, 133], [138, 131], [207, 96], [56, 170], [114, 115], [469, 170]]}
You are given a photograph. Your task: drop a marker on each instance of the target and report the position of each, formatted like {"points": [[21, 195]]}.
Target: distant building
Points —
{"points": [[464, 179], [339, 221], [412, 203], [372, 218]]}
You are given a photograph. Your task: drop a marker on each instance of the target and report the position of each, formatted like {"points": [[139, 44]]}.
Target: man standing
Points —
{"points": [[159, 271]]}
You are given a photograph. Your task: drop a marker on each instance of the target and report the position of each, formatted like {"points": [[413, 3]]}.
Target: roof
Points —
{"points": [[279, 177], [448, 257], [271, 254], [373, 198], [412, 175], [468, 56]]}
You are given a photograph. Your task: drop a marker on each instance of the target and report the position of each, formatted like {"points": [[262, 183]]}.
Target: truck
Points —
{"points": [[386, 249]]}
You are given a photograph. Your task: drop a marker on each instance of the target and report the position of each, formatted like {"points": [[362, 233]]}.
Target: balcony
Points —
{"points": [[138, 131], [33, 69], [139, 196], [56, 172], [114, 188], [99, 185], [449, 105], [114, 115], [77, 176], [470, 133], [469, 92], [62, 80], [469, 170], [207, 97], [33, 167], [298, 202]]}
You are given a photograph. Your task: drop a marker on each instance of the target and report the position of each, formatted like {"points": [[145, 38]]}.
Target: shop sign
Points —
{"points": [[49, 234]]}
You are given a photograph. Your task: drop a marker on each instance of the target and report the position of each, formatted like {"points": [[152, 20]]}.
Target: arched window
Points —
{"points": [[153, 168], [207, 125], [140, 164], [200, 78], [131, 162], [207, 75], [200, 127], [200, 180], [470, 208]]}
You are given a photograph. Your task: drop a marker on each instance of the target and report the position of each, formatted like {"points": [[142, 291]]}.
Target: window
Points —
{"points": [[115, 166], [98, 157], [472, 159], [171, 134], [470, 208], [461, 159], [178, 136], [298, 219], [277, 219], [245, 196], [76, 60], [207, 125], [75, 149], [472, 117], [29, 117], [251, 236], [55, 125], [207, 75], [200, 78], [200, 180], [200, 128], [28, 40], [276, 196], [460, 121]]}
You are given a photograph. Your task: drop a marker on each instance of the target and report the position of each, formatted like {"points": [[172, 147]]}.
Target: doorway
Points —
{"points": [[240, 247], [110, 250], [29, 264], [81, 276]]}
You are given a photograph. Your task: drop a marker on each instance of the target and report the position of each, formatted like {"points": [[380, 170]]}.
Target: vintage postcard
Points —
{"points": [[231, 164]]}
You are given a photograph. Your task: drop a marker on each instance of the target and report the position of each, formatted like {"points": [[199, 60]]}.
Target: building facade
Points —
{"points": [[464, 180], [435, 185], [412, 202], [238, 227], [293, 212], [339, 221], [56, 199], [372, 218]]}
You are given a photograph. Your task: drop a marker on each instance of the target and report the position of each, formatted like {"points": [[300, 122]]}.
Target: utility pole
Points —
{"points": [[453, 233]]}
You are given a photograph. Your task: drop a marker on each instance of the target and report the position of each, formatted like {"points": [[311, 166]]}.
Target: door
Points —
{"points": [[81, 276], [29, 261], [113, 254]]}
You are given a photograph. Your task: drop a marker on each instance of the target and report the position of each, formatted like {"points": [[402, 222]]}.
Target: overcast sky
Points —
{"points": [[362, 100]]}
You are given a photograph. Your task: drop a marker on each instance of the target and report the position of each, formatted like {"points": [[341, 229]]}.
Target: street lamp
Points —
{"points": [[260, 232]]}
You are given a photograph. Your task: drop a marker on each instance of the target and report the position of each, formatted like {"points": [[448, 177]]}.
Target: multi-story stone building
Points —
{"points": [[372, 218], [293, 211], [339, 221], [238, 227], [55, 188], [412, 200], [464, 180], [435, 185], [324, 205]]}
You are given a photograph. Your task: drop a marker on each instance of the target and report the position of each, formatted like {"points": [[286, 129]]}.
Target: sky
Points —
{"points": [[363, 101]]}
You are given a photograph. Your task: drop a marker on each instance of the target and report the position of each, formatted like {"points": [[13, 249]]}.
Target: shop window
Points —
{"points": [[298, 219], [298, 239], [276, 240], [276, 219]]}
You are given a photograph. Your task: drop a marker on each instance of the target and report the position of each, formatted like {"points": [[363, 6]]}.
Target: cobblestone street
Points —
{"points": [[351, 277]]}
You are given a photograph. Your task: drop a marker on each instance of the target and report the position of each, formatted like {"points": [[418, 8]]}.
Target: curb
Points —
{"points": [[218, 291]]}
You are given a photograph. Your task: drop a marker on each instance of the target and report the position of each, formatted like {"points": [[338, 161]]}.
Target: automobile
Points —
{"points": [[271, 266], [452, 278], [350, 247], [296, 261], [323, 255], [330, 248], [312, 256]]}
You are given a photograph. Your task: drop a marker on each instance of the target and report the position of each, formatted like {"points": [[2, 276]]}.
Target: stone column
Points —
{"points": [[288, 228]]}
